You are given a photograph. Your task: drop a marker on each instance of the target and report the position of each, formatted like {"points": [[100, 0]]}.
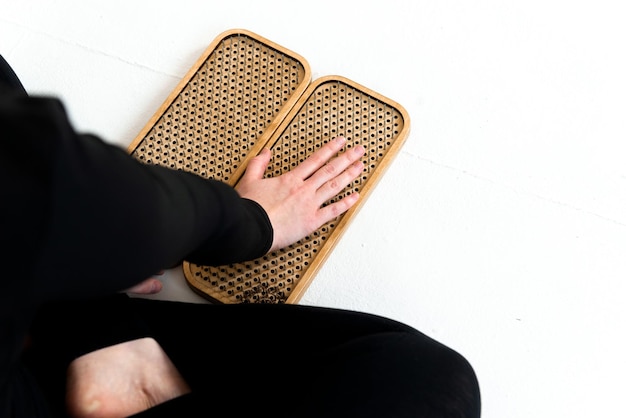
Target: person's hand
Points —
{"points": [[150, 286], [293, 201]]}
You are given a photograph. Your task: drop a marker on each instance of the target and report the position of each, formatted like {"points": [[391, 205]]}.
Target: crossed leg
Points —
{"points": [[328, 362]]}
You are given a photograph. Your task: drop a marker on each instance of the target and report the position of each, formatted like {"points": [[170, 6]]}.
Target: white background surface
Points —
{"points": [[499, 229]]}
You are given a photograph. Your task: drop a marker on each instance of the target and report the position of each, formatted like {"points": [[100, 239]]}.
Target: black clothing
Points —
{"points": [[82, 220], [268, 360]]}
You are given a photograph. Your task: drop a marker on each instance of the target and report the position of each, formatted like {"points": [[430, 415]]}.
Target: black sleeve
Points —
{"points": [[106, 221]]}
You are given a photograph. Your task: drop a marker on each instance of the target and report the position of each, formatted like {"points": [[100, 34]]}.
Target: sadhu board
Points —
{"points": [[245, 93]]}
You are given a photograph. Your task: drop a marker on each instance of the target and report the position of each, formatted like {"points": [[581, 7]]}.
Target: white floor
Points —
{"points": [[499, 229]]}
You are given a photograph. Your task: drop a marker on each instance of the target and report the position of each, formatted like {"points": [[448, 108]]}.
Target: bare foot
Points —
{"points": [[122, 380]]}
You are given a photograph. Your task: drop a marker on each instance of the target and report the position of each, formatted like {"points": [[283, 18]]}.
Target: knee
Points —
{"points": [[451, 388]]}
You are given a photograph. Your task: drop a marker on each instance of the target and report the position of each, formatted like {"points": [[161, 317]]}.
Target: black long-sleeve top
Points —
{"points": [[79, 217]]}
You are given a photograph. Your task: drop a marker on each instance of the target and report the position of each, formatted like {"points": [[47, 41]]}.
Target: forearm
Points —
{"points": [[111, 221]]}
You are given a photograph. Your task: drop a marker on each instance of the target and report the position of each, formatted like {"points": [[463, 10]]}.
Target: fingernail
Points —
{"points": [[340, 140]]}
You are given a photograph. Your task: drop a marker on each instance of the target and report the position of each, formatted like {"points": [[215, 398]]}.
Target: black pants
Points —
{"points": [[276, 360]]}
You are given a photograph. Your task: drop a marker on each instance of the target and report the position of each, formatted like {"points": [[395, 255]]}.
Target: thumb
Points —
{"points": [[257, 165]]}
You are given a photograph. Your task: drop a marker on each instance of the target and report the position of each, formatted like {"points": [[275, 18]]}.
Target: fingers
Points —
{"points": [[334, 173], [320, 157], [337, 208], [147, 287], [334, 186]]}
